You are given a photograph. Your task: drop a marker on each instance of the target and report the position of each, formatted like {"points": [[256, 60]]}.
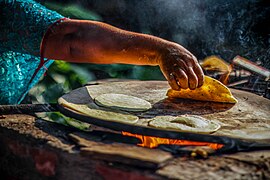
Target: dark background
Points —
{"points": [[225, 28]]}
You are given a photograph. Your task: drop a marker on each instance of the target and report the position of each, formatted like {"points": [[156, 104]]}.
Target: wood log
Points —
{"points": [[37, 149]]}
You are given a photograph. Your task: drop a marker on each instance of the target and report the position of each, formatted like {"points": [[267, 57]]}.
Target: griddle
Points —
{"points": [[251, 112]]}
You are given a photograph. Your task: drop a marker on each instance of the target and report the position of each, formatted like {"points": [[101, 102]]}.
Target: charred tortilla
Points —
{"points": [[185, 123], [211, 90], [94, 111], [122, 102]]}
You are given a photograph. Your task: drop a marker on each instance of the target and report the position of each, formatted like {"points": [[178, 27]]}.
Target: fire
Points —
{"points": [[153, 142], [224, 78]]}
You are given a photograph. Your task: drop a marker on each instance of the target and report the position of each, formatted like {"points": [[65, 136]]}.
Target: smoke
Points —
{"points": [[205, 27], [209, 27]]}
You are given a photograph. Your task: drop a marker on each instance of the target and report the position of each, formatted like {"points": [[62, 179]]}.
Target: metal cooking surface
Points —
{"points": [[248, 119]]}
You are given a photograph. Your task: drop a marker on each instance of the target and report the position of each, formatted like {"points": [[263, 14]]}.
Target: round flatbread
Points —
{"points": [[185, 123], [122, 102], [250, 134], [94, 111]]}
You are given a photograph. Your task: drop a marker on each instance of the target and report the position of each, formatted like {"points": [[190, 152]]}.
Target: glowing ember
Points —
{"points": [[224, 78], [152, 142]]}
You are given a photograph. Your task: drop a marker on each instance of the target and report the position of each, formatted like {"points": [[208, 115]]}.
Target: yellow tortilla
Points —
{"points": [[122, 102], [185, 123], [211, 90], [94, 111], [216, 63]]}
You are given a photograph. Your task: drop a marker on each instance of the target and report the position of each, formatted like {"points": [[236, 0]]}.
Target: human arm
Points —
{"points": [[95, 42]]}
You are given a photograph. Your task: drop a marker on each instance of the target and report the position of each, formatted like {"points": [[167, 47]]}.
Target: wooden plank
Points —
{"points": [[121, 153], [38, 149], [252, 165], [29, 139]]}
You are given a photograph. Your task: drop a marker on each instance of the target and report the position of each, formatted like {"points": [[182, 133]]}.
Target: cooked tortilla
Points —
{"points": [[251, 134], [211, 90], [122, 102], [94, 111], [216, 63], [185, 123]]}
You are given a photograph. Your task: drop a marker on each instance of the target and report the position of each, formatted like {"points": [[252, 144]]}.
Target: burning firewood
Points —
{"points": [[252, 67], [203, 151], [240, 74]]}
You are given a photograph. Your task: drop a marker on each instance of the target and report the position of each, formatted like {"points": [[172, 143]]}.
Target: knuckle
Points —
{"points": [[183, 64]]}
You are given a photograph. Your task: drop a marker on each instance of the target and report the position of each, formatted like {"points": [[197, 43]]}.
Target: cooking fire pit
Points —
{"points": [[37, 148]]}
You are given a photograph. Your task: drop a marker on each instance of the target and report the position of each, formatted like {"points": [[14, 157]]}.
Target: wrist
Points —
{"points": [[165, 49]]}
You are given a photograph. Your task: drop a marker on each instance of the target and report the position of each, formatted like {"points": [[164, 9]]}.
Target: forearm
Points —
{"points": [[94, 42]]}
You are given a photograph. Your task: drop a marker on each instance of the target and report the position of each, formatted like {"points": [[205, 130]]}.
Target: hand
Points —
{"points": [[181, 68]]}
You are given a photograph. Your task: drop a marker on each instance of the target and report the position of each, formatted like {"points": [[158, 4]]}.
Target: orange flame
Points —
{"points": [[152, 142], [224, 78]]}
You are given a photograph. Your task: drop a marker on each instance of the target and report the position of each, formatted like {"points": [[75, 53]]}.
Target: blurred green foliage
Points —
{"points": [[61, 78], [73, 11], [64, 120]]}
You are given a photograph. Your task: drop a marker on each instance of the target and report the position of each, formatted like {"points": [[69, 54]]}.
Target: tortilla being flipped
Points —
{"points": [[92, 110], [185, 123], [122, 102], [211, 90]]}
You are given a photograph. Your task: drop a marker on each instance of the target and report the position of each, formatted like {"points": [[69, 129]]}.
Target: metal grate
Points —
{"points": [[253, 83]]}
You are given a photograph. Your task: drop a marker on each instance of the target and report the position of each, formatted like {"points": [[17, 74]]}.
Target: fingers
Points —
{"points": [[181, 78], [199, 72], [192, 79], [189, 74], [183, 71], [195, 72], [172, 82]]}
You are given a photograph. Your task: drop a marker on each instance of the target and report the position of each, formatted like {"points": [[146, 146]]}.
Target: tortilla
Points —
{"points": [[250, 134], [122, 102], [211, 90], [216, 63], [185, 123], [94, 111]]}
